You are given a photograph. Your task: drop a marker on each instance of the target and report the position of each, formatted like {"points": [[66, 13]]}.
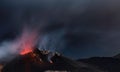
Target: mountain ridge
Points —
{"points": [[27, 63]]}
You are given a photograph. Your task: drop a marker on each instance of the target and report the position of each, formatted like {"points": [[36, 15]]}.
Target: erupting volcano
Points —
{"points": [[37, 61], [32, 59]]}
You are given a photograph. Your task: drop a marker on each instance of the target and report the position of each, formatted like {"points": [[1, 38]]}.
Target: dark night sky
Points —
{"points": [[77, 28]]}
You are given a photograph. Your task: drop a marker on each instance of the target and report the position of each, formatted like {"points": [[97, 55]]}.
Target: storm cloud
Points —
{"points": [[76, 28]]}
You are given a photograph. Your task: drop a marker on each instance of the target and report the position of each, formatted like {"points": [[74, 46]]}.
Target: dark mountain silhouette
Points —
{"points": [[117, 56], [27, 63], [109, 64]]}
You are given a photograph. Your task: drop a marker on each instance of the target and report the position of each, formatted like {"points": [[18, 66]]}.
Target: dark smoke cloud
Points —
{"points": [[76, 28]]}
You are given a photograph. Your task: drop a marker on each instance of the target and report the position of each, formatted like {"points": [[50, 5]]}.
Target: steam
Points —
{"points": [[53, 41], [28, 40], [9, 49]]}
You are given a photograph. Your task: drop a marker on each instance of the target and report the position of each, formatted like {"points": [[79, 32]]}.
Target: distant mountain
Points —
{"points": [[117, 56], [109, 64], [27, 63]]}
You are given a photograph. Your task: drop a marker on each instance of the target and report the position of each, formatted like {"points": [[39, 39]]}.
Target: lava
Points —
{"points": [[25, 51], [28, 41]]}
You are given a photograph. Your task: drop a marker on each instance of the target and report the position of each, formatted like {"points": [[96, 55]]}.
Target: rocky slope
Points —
{"points": [[27, 63]]}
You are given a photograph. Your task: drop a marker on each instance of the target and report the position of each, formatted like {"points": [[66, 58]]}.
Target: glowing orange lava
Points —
{"points": [[28, 41], [25, 51]]}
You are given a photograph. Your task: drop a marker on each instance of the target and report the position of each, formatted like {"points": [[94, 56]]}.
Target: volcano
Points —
{"points": [[37, 61]]}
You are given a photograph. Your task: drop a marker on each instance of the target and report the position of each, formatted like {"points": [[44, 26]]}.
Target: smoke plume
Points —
{"points": [[25, 42]]}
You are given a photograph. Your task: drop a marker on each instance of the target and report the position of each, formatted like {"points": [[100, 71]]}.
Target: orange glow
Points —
{"points": [[28, 40], [25, 51]]}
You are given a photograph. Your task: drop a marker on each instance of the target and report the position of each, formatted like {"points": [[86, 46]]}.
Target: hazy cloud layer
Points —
{"points": [[77, 28]]}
